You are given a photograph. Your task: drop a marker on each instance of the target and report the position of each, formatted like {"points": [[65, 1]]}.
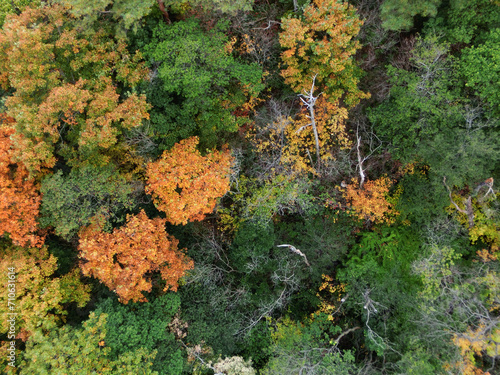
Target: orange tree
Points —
{"points": [[69, 87], [321, 44], [19, 198], [371, 201], [122, 259], [185, 185]]}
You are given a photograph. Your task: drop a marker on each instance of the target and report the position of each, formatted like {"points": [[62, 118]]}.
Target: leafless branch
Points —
{"points": [[296, 251]]}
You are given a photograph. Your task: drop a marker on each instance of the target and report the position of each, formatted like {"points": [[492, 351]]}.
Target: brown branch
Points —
{"points": [[163, 10]]}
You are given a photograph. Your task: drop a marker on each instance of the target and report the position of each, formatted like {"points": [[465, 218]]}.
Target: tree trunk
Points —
{"points": [[163, 10]]}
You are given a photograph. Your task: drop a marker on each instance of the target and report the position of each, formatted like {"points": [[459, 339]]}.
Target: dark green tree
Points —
{"points": [[197, 87], [71, 200], [144, 325], [398, 14], [428, 117]]}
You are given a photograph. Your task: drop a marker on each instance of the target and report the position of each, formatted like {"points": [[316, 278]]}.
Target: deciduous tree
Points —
{"points": [[77, 351], [371, 202], [123, 260], [321, 44], [398, 14], [69, 98], [19, 197], [198, 86], [69, 202], [185, 185], [40, 298]]}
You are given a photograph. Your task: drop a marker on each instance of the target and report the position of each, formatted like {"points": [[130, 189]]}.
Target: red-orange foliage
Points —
{"points": [[122, 259], [19, 198], [66, 101], [371, 203], [186, 185]]}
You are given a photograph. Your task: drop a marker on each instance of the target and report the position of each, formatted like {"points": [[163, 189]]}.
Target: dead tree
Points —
{"points": [[309, 100], [469, 211]]}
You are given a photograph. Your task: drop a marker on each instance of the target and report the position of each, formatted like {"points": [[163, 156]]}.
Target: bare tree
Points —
{"points": [[309, 100]]}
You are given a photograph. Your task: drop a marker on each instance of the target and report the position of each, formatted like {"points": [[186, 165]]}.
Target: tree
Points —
{"points": [[398, 15], [41, 298], [321, 44], [296, 146], [198, 86], [128, 13], [460, 304], [124, 259], [69, 202], [309, 347], [428, 118], [371, 201], [479, 67], [147, 326], [19, 197], [14, 6], [186, 185], [70, 87], [76, 351]]}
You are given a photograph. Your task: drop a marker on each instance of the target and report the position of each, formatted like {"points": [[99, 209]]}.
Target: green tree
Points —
{"points": [[428, 117], [398, 15], [41, 298], [480, 70], [129, 13], [309, 347], [70, 350], [201, 83], [466, 21], [144, 325], [70, 201]]}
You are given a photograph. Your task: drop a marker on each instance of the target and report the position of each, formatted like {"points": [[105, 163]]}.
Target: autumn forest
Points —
{"points": [[243, 187]]}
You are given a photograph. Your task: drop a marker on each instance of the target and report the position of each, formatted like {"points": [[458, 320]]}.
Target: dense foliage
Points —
{"points": [[243, 187]]}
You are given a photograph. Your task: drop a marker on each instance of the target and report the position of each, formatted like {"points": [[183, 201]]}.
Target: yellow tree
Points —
{"points": [[288, 146], [321, 44], [185, 185], [122, 260], [40, 298]]}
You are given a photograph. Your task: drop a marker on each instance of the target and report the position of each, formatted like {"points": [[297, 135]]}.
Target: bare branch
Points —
{"points": [[468, 204], [269, 23], [309, 100], [296, 251]]}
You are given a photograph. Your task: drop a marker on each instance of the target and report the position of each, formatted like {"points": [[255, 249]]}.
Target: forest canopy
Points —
{"points": [[250, 187]]}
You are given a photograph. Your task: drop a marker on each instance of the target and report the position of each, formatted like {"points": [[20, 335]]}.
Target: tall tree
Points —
{"points": [[123, 260], [145, 325], [198, 86], [398, 14], [76, 351], [70, 201], [186, 185], [40, 297], [321, 44], [69, 97], [19, 197], [128, 13]]}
